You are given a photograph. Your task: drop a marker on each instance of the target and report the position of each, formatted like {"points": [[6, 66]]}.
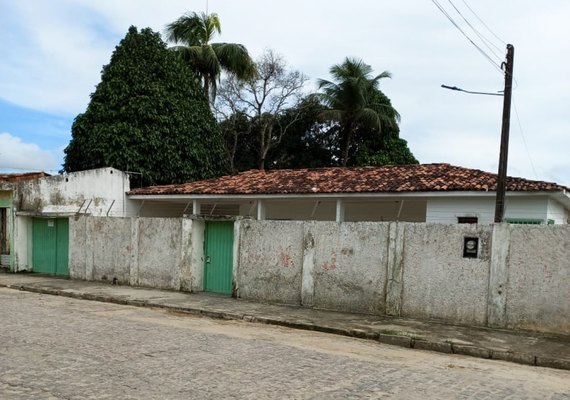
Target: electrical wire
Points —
{"points": [[484, 24], [489, 44], [523, 138], [446, 14]]}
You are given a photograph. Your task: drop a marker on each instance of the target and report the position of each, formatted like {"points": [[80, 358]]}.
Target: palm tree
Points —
{"points": [[193, 33], [353, 103]]}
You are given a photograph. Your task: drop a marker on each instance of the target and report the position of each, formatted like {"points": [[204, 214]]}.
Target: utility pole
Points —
{"points": [[504, 152]]}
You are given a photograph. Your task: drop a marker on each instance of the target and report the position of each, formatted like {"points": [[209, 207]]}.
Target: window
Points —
{"points": [[529, 221], [467, 220]]}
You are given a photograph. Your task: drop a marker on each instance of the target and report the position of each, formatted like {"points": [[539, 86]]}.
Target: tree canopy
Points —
{"points": [[193, 33], [353, 100], [147, 115], [263, 100], [350, 122]]}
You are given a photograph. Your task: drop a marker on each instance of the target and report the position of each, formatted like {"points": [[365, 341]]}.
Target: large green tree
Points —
{"points": [[149, 115], [352, 101], [192, 33]]}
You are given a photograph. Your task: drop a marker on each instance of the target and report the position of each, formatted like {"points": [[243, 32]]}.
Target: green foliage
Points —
{"points": [[312, 143], [309, 143], [193, 33], [384, 150], [355, 103], [149, 115]]}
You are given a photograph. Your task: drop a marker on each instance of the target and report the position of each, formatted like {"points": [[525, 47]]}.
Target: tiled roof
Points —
{"points": [[25, 176], [386, 179]]}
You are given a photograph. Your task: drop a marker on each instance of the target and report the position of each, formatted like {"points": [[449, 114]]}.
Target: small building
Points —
{"points": [[433, 193], [35, 209]]}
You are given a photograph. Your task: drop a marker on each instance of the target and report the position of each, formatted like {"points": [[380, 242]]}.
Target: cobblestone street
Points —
{"points": [[60, 348]]}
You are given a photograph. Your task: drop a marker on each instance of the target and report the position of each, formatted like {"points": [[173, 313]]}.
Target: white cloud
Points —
{"points": [[15, 154]]}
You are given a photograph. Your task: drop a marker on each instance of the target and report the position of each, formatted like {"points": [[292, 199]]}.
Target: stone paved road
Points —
{"points": [[60, 348]]}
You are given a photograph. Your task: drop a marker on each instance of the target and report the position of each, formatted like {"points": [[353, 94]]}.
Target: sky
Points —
{"points": [[52, 53]]}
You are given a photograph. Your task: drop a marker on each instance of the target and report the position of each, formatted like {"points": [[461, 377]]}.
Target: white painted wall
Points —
{"points": [[557, 212], [446, 210], [385, 210], [98, 192]]}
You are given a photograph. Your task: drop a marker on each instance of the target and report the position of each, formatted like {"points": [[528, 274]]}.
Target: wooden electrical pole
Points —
{"points": [[504, 152]]}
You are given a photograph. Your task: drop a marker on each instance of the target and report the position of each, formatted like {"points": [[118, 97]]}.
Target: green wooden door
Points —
{"points": [[218, 255], [50, 244]]}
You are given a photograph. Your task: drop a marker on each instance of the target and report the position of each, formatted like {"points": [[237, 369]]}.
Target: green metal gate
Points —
{"points": [[218, 256], [50, 245]]}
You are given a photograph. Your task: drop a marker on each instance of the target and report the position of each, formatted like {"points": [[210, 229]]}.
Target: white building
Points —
{"points": [[433, 193], [35, 209]]}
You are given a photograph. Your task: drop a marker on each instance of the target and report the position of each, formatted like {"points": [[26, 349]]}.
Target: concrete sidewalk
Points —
{"points": [[521, 347]]}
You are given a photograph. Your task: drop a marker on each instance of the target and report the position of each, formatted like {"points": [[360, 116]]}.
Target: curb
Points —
{"points": [[395, 340]]}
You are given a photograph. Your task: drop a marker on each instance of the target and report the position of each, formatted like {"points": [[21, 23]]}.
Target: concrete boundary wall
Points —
{"points": [[438, 282], [519, 279], [151, 252]]}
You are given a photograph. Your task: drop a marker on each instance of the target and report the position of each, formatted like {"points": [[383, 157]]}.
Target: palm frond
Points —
{"points": [[234, 58]]}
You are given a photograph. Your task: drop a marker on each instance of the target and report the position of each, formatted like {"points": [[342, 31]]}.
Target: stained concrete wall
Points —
{"points": [[520, 278], [159, 252], [270, 261], [150, 252], [438, 281], [349, 265], [316, 264], [538, 283]]}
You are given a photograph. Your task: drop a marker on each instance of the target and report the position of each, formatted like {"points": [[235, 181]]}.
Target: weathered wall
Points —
{"points": [[520, 278], [98, 192], [270, 261], [111, 243], [22, 239], [438, 281], [137, 251], [349, 267], [538, 284], [6, 227], [160, 250]]}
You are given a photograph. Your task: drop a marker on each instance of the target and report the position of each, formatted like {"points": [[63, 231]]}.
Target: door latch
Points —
{"points": [[208, 259]]}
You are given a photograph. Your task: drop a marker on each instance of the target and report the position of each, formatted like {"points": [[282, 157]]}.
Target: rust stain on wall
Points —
{"points": [[330, 264]]}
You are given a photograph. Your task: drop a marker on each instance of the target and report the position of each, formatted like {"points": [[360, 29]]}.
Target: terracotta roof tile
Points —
{"points": [[385, 179], [25, 176]]}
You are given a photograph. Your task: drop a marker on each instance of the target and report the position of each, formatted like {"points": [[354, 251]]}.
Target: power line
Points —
{"points": [[487, 56], [523, 138], [484, 24], [484, 39]]}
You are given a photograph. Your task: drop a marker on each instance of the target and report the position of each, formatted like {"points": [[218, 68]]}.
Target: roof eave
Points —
{"points": [[378, 195]]}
